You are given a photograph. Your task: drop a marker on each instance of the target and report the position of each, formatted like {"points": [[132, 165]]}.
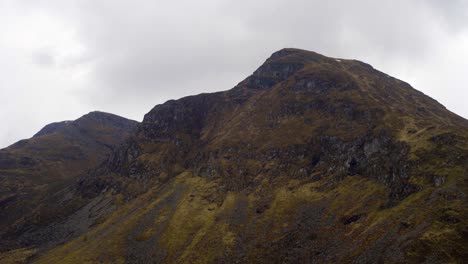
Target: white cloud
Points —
{"points": [[61, 59]]}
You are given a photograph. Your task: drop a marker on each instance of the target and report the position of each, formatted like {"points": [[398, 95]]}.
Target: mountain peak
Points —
{"points": [[94, 118], [295, 53], [99, 115], [286, 62], [278, 67]]}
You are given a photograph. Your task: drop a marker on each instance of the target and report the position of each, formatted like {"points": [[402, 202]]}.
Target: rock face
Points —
{"points": [[309, 160]]}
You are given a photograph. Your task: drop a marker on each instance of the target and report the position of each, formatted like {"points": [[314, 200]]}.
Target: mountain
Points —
{"points": [[54, 158], [310, 159]]}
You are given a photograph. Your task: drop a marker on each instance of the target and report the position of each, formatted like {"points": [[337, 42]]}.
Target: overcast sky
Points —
{"points": [[60, 59]]}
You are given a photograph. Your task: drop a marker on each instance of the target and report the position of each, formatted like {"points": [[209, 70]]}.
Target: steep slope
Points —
{"points": [[309, 160], [32, 168]]}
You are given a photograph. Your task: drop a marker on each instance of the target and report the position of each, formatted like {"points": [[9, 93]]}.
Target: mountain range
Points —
{"points": [[311, 159]]}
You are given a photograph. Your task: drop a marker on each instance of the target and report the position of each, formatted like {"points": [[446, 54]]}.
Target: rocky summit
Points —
{"points": [[310, 159]]}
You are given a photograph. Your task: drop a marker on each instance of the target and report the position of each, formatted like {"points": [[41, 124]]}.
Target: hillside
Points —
{"points": [[52, 159], [310, 159]]}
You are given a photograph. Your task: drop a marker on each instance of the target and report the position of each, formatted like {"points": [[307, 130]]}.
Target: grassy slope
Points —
{"points": [[179, 223]]}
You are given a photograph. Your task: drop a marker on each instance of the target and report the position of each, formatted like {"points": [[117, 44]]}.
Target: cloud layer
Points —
{"points": [[62, 59]]}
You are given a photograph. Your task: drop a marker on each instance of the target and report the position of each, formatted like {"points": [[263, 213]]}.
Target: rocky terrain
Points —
{"points": [[310, 159]]}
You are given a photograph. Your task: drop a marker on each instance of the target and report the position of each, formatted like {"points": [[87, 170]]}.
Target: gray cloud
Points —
{"points": [[43, 58], [126, 56]]}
